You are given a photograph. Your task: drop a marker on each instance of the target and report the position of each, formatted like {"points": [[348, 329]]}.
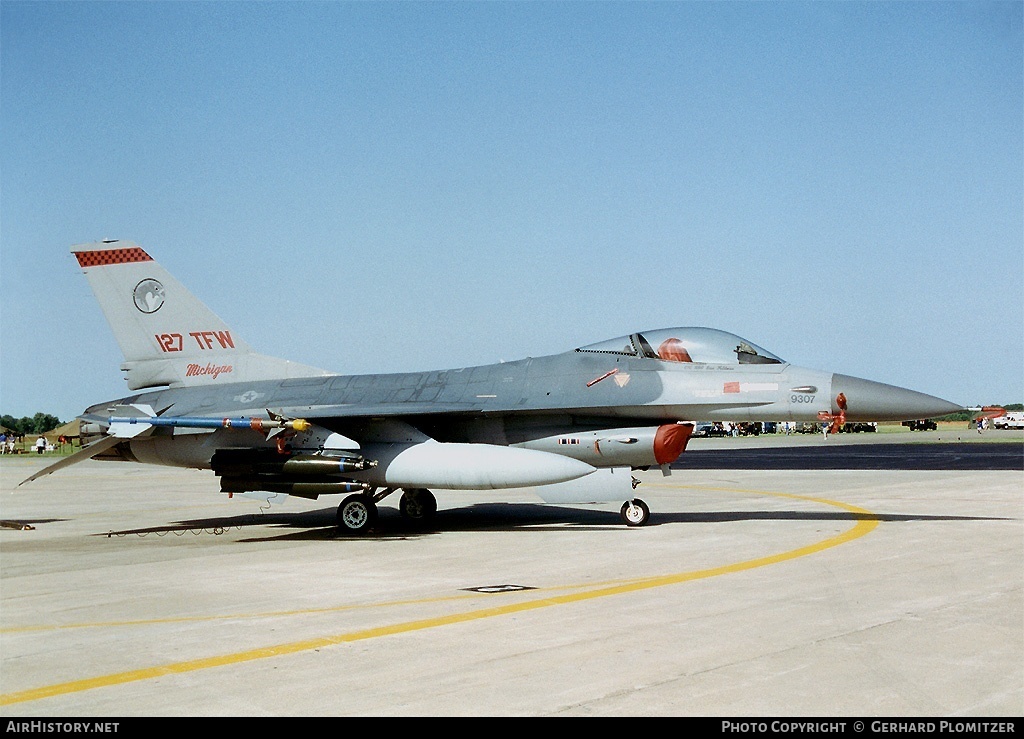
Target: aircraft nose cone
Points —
{"points": [[867, 400]]}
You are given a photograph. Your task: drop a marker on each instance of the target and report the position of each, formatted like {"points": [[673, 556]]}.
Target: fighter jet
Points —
{"points": [[572, 426]]}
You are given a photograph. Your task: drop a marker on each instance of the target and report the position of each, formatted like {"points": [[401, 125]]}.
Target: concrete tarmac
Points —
{"points": [[128, 591]]}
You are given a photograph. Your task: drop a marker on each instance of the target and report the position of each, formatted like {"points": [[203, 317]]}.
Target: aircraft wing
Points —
{"points": [[382, 410]]}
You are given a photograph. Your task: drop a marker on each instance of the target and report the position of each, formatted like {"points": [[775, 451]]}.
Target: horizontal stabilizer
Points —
{"points": [[81, 455]]}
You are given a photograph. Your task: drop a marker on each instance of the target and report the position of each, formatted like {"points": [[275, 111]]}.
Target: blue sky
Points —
{"points": [[380, 187]]}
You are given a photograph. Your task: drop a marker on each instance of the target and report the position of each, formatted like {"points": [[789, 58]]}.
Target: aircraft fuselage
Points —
{"points": [[510, 403]]}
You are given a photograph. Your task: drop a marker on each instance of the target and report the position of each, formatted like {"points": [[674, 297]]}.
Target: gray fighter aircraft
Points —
{"points": [[572, 426]]}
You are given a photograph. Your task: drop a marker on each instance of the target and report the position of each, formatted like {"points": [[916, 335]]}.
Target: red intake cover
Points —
{"points": [[670, 441]]}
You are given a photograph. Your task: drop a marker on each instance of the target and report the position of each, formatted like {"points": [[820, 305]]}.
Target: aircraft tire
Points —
{"points": [[635, 512], [417, 505], [357, 514]]}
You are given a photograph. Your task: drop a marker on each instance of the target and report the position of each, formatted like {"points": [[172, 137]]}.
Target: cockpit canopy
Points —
{"points": [[701, 345]]}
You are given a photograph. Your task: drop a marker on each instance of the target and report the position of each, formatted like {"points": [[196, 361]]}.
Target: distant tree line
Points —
{"points": [[40, 423]]}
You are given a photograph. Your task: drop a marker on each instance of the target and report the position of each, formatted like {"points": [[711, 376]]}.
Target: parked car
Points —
{"points": [[853, 428], [925, 424]]}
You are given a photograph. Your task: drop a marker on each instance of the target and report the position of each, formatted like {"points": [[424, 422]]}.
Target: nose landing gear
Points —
{"points": [[635, 512]]}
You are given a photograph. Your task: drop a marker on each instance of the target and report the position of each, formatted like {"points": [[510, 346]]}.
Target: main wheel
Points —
{"points": [[417, 505], [357, 513], [635, 512]]}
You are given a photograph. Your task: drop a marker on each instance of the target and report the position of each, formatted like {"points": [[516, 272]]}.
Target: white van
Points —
{"points": [[1013, 420]]}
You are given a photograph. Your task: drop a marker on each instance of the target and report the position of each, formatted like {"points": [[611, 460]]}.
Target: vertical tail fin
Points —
{"points": [[167, 335]]}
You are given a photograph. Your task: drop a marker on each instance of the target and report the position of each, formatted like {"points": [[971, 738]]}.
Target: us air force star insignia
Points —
{"points": [[149, 295], [248, 396]]}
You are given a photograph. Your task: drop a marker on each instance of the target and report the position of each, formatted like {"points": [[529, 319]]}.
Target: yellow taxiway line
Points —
{"points": [[866, 522]]}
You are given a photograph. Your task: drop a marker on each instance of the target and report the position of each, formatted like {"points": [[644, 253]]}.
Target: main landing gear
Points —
{"points": [[357, 514], [417, 505]]}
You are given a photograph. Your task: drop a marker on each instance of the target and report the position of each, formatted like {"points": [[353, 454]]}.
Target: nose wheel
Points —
{"points": [[635, 512]]}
